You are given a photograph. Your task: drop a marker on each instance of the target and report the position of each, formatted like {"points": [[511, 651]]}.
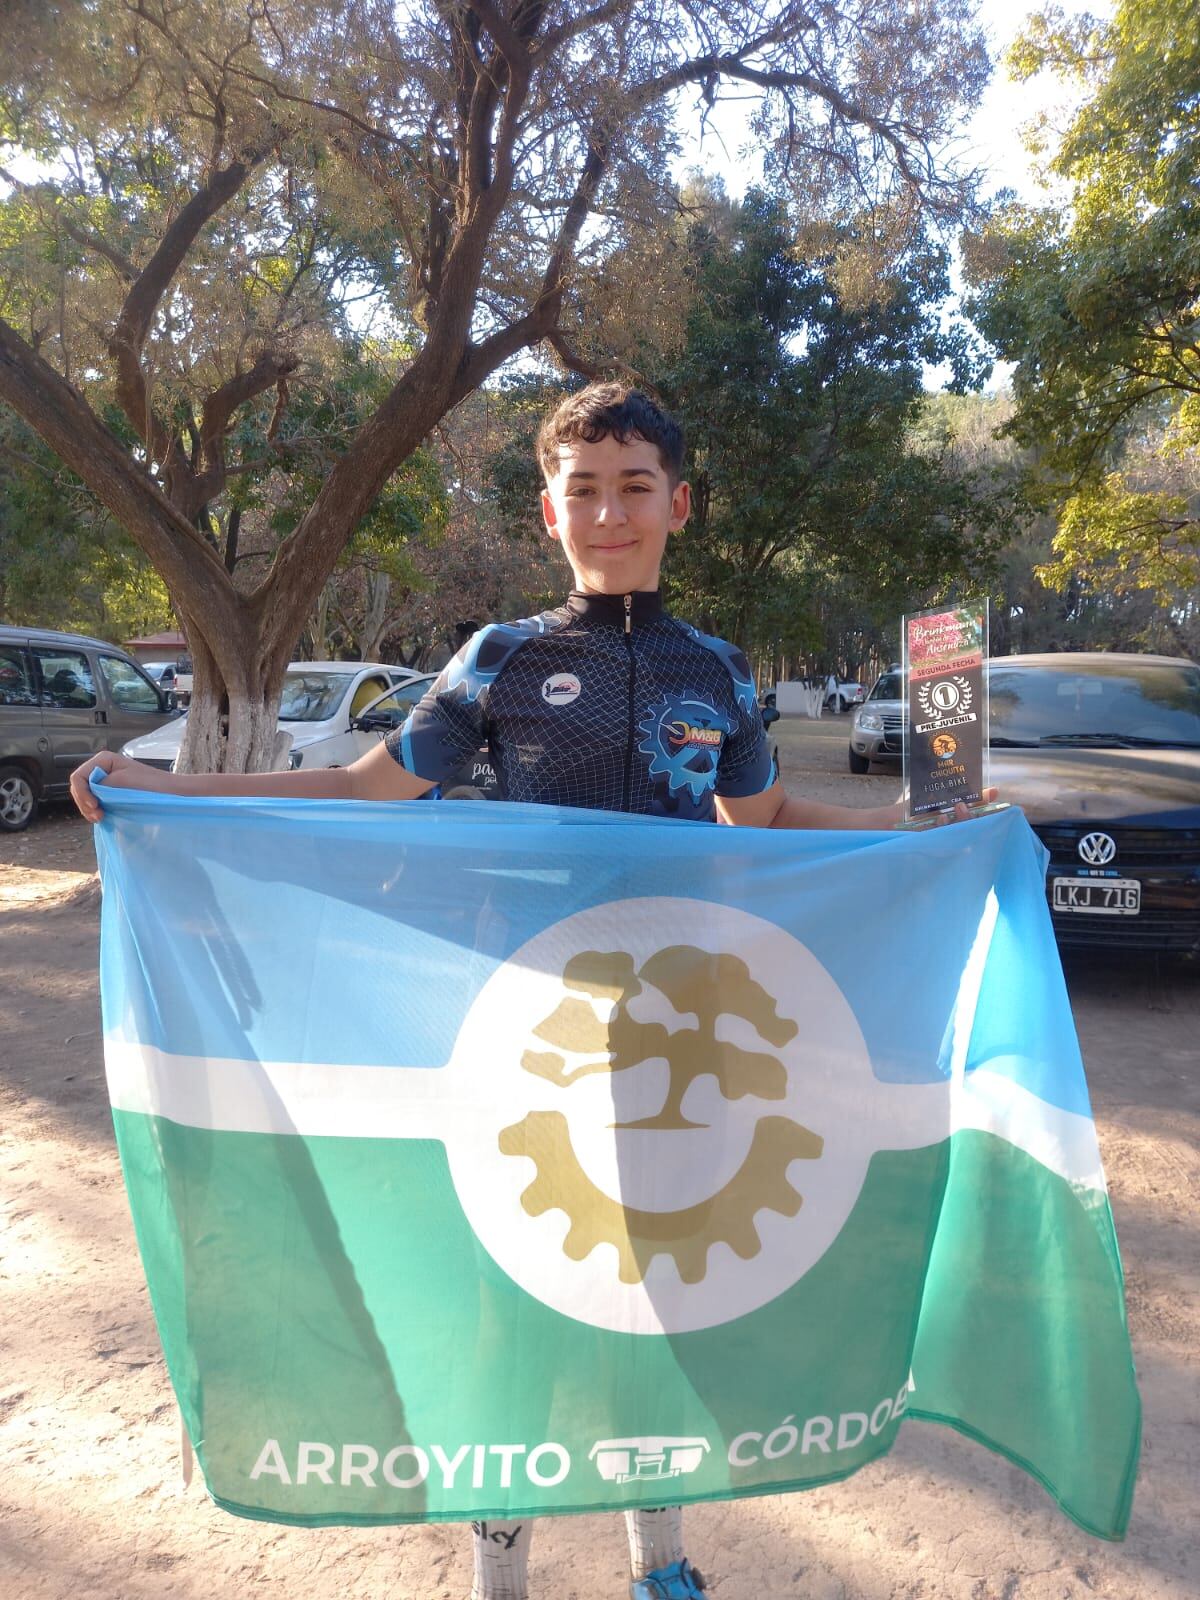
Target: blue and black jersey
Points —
{"points": [[606, 702]]}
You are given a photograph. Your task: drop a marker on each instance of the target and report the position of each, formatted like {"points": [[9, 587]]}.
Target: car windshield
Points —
{"points": [[1095, 704], [313, 695], [889, 687], [403, 698]]}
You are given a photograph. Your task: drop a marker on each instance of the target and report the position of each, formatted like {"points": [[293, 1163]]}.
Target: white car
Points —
{"points": [[843, 695], [163, 673], [321, 700]]}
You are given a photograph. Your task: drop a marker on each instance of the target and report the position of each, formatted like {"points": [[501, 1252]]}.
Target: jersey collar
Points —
{"points": [[647, 604]]}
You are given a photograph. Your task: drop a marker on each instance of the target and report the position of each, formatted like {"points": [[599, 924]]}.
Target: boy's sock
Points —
{"points": [[655, 1539], [501, 1560]]}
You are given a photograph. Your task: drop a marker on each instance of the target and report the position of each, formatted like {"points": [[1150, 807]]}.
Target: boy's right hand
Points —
{"points": [[108, 761]]}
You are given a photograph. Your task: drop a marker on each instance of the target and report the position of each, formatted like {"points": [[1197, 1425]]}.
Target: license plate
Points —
{"points": [[1103, 897]]}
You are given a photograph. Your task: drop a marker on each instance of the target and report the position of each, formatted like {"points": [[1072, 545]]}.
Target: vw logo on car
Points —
{"points": [[1097, 849]]}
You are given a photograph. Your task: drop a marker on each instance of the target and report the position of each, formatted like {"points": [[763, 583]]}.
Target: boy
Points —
{"points": [[606, 702]]}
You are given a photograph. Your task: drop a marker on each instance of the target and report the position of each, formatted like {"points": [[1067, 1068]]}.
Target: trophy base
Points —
{"points": [[934, 819]]}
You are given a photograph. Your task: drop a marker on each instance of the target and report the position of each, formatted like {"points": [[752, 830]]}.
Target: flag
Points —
{"points": [[492, 1160]]}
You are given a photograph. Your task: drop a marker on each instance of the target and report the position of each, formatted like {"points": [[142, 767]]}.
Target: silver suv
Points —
{"points": [[877, 732], [64, 697]]}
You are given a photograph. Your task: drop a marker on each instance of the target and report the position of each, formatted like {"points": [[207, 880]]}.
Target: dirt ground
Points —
{"points": [[91, 1501]]}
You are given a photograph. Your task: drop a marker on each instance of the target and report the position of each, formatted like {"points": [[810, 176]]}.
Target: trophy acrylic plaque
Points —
{"points": [[946, 726]]}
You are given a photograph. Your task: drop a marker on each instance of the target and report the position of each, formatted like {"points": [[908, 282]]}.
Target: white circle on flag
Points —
{"points": [[735, 1189]]}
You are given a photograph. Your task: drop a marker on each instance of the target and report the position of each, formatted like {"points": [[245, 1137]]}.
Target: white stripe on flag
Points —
{"points": [[425, 1103], [280, 1096], [1064, 1141]]}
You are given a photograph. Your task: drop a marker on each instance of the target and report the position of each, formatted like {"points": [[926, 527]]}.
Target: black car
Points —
{"points": [[1102, 752]]}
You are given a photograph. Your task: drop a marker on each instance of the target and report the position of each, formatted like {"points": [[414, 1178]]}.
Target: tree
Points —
{"points": [[354, 610], [496, 560], [1036, 605], [798, 404], [1098, 301], [224, 188], [64, 563]]}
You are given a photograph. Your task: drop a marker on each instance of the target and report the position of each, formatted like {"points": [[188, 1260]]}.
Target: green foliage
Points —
{"points": [[1124, 538], [1099, 303], [799, 410], [413, 505], [63, 562]]}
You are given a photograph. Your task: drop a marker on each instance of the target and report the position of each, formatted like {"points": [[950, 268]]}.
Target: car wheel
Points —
{"points": [[858, 763], [18, 803]]}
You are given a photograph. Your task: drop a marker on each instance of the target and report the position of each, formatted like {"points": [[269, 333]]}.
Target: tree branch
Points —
{"points": [[570, 359], [182, 555], [82, 237], [497, 24], [137, 314], [271, 368], [704, 69], [555, 38]]}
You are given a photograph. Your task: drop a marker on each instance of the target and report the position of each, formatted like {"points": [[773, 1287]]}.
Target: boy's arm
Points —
{"points": [[375, 776], [774, 809]]}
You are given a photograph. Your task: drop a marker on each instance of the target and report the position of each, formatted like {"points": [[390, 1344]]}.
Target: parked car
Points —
{"points": [[183, 679], [474, 779], [877, 732], [64, 697], [1102, 752], [320, 701], [163, 673], [843, 696]]}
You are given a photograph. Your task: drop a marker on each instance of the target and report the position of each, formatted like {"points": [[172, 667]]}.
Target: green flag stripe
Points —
{"points": [[348, 1320]]}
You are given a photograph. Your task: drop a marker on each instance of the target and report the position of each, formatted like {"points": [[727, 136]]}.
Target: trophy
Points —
{"points": [[946, 711]]}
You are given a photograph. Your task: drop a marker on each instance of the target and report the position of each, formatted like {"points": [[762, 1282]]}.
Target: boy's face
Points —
{"points": [[612, 506]]}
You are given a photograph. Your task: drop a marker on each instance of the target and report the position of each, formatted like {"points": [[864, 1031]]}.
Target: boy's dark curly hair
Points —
{"points": [[610, 411]]}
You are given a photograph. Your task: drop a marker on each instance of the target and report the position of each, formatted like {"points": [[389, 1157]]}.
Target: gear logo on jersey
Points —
{"points": [[683, 739], [561, 689]]}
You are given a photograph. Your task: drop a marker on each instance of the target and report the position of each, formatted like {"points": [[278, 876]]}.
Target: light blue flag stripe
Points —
{"points": [[368, 910]]}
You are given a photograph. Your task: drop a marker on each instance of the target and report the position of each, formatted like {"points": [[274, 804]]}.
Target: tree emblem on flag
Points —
{"points": [[654, 1123], [702, 987]]}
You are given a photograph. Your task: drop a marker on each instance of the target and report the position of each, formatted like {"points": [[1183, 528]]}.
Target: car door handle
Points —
{"points": [[101, 716]]}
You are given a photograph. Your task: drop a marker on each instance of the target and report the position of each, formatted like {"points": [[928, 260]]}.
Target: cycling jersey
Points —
{"points": [[605, 702]]}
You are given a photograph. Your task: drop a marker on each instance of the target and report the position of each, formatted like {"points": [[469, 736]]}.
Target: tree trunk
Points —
{"points": [[237, 676], [1182, 643], [375, 621], [320, 625]]}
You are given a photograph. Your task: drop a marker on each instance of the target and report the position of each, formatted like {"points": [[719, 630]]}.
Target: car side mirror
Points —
{"points": [[169, 701], [375, 722]]}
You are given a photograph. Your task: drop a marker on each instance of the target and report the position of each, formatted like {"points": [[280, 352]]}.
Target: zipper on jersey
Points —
{"points": [[632, 681]]}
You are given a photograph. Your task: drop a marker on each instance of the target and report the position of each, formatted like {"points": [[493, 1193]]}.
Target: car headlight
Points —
{"points": [[295, 757], [870, 722]]}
